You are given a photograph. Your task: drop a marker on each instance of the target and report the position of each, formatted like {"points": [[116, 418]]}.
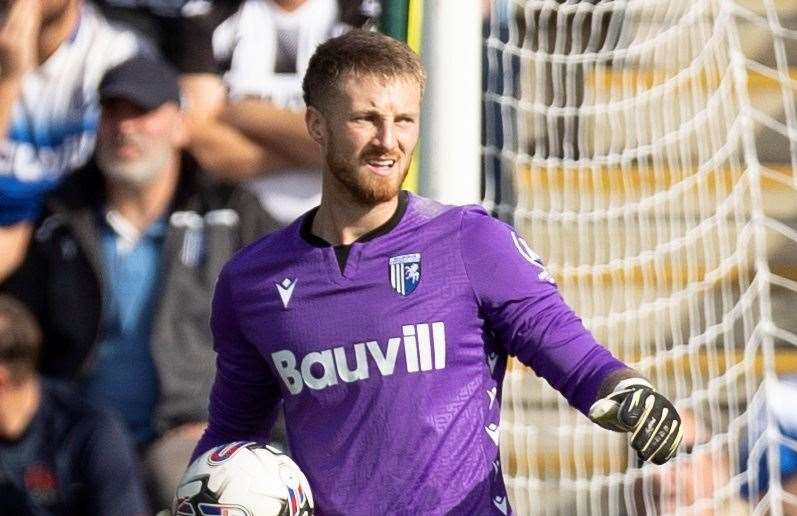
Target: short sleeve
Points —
{"points": [[188, 43], [526, 313]]}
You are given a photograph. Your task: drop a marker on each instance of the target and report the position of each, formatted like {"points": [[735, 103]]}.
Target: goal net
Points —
{"points": [[648, 150]]}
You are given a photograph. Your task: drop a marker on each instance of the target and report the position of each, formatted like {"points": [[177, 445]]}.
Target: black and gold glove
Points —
{"points": [[634, 406]]}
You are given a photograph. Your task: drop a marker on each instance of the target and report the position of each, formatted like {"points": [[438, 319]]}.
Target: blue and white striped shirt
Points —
{"points": [[54, 120]]}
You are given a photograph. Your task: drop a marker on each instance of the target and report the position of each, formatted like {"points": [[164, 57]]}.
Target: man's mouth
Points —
{"points": [[381, 166]]}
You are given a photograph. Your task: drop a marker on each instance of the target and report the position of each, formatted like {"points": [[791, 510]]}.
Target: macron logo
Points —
{"points": [[285, 290], [424, 350]]}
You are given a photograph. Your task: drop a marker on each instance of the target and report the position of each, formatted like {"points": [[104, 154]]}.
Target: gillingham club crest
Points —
{"points": [[405, 273]]}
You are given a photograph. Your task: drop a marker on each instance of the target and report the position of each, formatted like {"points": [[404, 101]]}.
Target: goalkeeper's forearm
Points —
{"points": [[629, 403]]}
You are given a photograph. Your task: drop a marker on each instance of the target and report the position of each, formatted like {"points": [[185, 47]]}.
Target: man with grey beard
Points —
{"points": [[123, 265]]}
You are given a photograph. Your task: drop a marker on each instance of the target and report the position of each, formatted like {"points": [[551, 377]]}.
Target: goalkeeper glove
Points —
{"points": [[634, 406]]}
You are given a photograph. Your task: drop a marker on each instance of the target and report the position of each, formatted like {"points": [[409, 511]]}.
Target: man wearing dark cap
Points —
{"points": [[123, 266]]}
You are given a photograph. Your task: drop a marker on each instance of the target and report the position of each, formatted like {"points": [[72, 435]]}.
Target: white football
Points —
{"points": [[243, 479]]}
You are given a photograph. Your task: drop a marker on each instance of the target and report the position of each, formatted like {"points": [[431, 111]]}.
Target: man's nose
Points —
{"points": [[126, 125], [386, 135]]}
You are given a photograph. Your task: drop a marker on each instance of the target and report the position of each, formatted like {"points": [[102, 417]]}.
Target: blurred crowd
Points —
{"points": [[145, 142]]}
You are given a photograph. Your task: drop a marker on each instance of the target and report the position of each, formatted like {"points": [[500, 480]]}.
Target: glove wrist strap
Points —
{"points": [[632, 382]]}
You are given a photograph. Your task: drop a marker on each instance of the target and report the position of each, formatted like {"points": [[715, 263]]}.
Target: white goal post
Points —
{"points": [[647, 149], [450, 115]]}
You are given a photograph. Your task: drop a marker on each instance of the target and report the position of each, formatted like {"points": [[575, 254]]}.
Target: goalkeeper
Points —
{"points": [[384, 321]]}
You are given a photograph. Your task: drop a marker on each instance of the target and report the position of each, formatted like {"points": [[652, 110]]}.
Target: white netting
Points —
{"points": [[648, 150]]}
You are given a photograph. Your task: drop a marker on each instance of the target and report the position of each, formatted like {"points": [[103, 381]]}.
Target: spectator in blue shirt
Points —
{"points": [[52, 56]]}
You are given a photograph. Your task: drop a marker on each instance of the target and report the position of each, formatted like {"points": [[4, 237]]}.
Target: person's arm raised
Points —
{"points": [[280, 129], [221, 149], [19, 33]]}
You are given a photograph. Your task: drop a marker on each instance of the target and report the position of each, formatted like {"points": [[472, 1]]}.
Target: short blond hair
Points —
{"points": [[358, 53]]}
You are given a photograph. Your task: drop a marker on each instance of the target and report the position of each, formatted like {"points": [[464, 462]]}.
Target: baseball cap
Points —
{"points": [[146, 81]]}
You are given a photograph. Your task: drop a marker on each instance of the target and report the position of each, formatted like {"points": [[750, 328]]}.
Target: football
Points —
{"points": [[243, 479]]}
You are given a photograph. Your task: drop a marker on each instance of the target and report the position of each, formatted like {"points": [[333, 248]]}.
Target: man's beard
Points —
{"points": [[369, 190], [138, 172]]}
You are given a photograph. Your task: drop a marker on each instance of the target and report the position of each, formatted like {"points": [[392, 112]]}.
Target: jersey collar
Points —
{"points": [[305, 230]]}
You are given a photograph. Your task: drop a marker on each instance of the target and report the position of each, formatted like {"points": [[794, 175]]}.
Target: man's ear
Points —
{"points": [[315, 125]]}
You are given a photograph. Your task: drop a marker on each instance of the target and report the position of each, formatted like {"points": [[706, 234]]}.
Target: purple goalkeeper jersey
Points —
{"points": [[391, 369]]}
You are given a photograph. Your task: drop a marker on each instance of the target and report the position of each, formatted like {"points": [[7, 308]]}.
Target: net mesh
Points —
{"points": [[648, 150]]}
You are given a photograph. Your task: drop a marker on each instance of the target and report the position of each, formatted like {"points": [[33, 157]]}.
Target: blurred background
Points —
{"points": [[646, 149]]}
